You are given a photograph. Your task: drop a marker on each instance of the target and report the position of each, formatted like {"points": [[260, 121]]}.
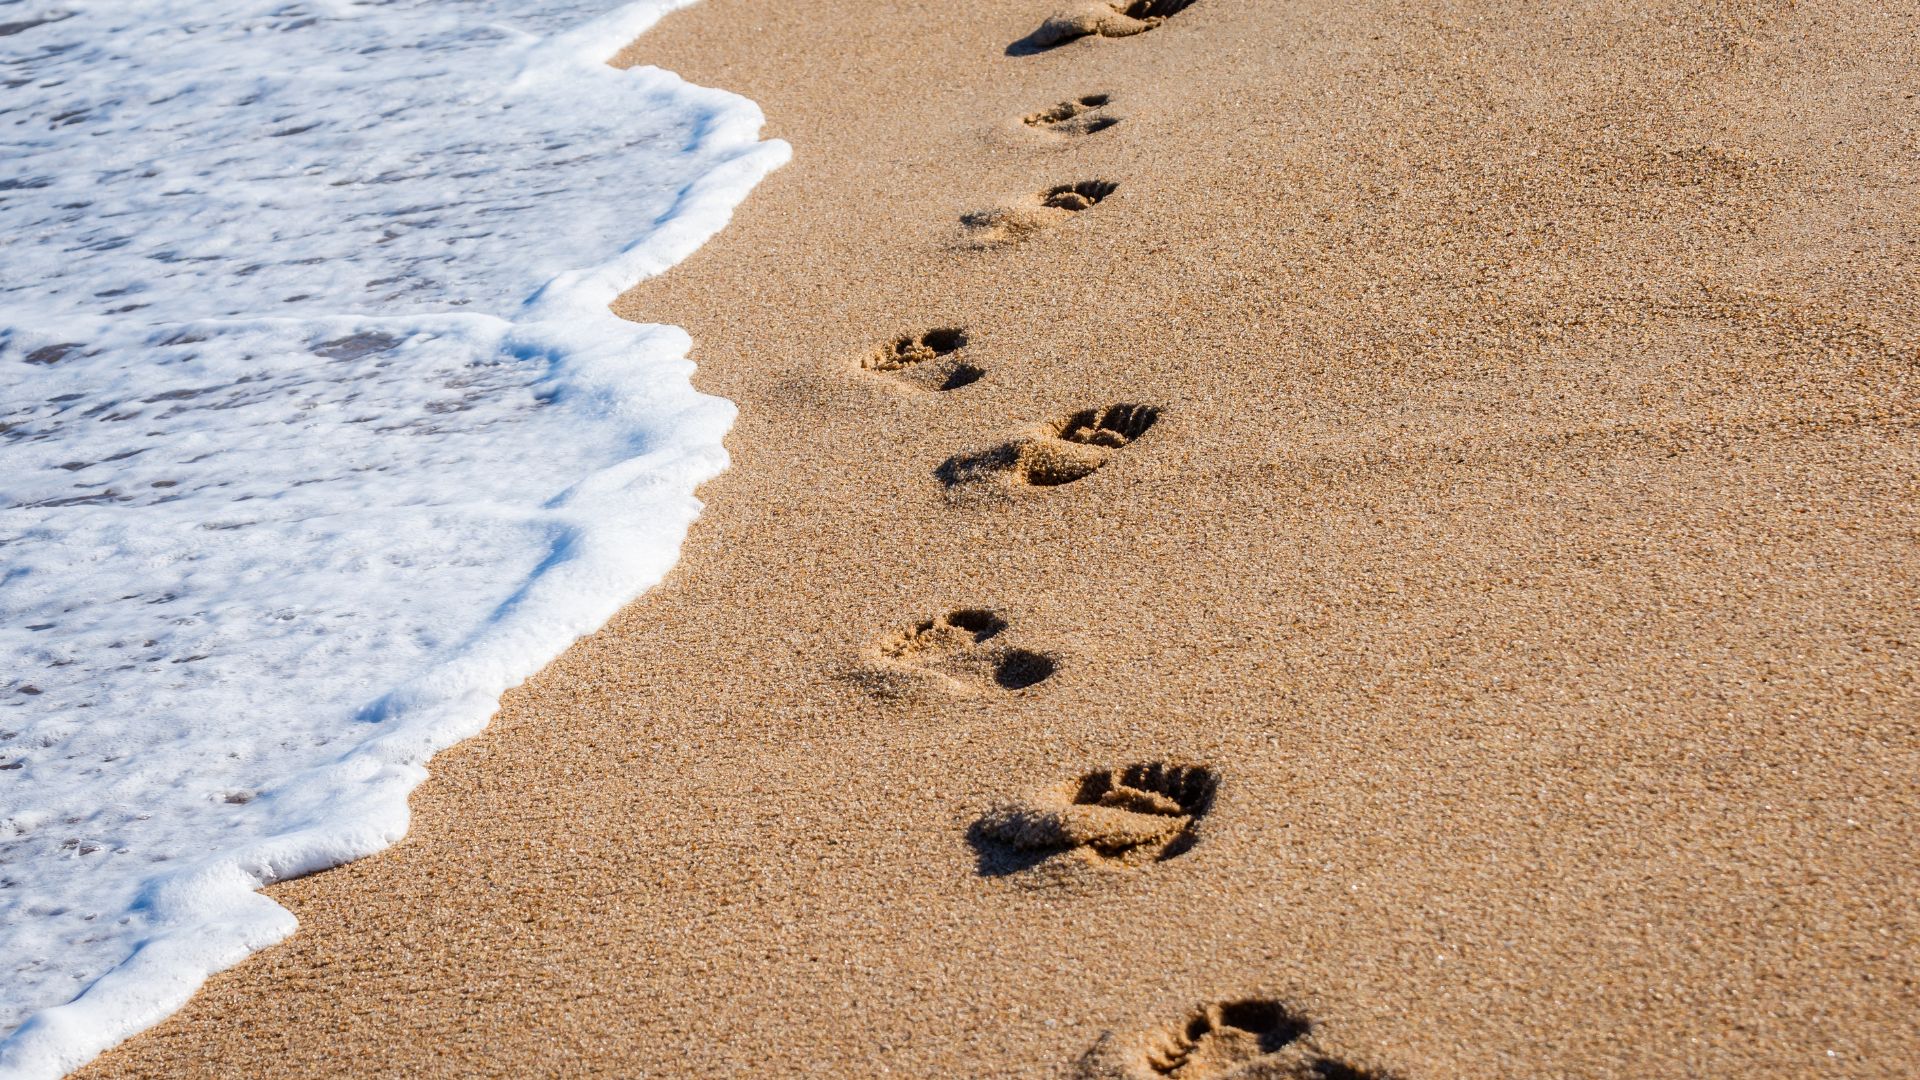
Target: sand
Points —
{"points": [[1494, 657]]}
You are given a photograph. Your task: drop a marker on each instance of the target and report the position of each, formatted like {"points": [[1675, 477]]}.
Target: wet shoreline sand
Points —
{"points": [[1523, 540]]}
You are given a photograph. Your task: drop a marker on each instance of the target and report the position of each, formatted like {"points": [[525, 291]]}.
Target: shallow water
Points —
{"points": [[315, 436]]}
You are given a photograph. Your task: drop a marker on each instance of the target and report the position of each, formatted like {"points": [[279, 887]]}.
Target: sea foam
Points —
{"points": [[316, 435]]}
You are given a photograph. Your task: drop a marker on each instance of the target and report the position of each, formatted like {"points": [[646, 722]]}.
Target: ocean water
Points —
{"points": [[315, 436]]}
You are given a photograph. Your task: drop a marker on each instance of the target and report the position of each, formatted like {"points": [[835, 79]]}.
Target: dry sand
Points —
{"points": [[1524, 543]]}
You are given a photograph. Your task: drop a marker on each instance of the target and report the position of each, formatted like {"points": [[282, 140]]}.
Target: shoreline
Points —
{"points": [[187, 788], [1523, 539]]}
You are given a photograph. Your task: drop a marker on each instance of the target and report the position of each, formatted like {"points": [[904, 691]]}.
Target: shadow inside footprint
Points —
{"points": [[1095, 18], [1057, 204], [1055, 454], [1077, 197], [930, 361], [1083, 115], [1248, 1037], [1017, 669], [1142, 813]]}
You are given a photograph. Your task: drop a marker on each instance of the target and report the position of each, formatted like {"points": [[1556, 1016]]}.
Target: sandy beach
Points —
{"points": [[1320, 540]]}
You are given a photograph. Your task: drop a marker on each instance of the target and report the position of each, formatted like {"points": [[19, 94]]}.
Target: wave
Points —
{"points": [[318, 435]]}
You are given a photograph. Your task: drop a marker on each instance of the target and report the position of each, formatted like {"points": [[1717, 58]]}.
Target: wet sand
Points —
{"points": [[1516, 521]]}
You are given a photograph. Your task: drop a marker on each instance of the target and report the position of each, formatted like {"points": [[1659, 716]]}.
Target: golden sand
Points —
{"points": [[1316, 539]]}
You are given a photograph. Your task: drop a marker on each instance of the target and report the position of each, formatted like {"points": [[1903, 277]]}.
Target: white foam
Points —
{"points": [[315, 436]]}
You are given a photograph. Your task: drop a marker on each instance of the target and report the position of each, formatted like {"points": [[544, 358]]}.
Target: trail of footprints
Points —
{"points": [[1122, 817]]}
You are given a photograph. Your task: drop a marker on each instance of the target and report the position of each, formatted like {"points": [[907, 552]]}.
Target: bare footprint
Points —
{"points": [[1131, 816], [1083, 115], [959, 652], [930, 361], [1247, 1039], [1057, 204], [1123, 18], [1050, 455]]}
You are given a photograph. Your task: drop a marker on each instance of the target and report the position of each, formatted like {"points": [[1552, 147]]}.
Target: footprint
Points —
{"points": [[1122, 19], [1053, 454], [1143, 813], [954, 650], [929, 361], [1247, 1039], [1080, 116], [1057, 204]]}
